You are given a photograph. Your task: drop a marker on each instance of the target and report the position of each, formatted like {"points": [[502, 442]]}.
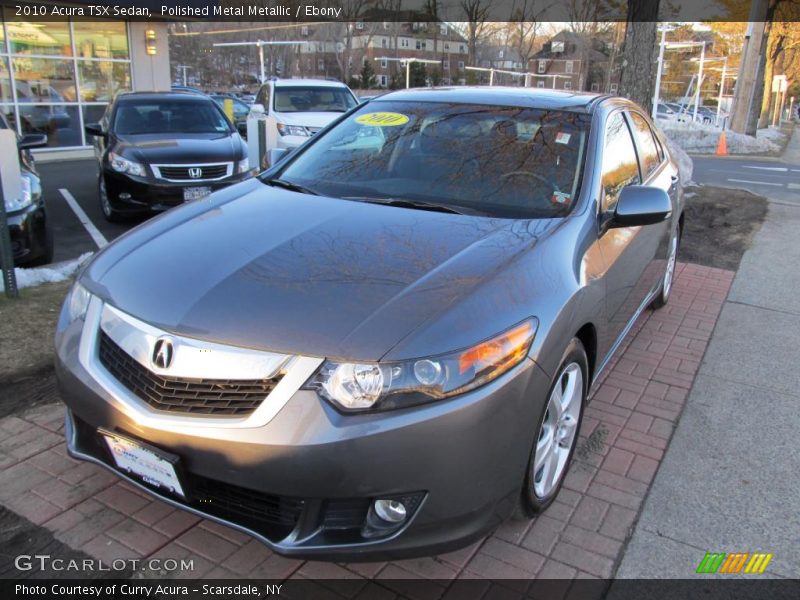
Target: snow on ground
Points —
{"points": [[703, 139], [61, 272], [685, 164]]}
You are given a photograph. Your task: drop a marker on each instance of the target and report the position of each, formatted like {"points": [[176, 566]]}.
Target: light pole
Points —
{"points": [[661, 47], [183, 70], [260, 44]]}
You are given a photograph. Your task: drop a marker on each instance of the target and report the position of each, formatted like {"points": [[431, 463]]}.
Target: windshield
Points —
{"points": [[312, 99], [169, 116], [497, 161]]}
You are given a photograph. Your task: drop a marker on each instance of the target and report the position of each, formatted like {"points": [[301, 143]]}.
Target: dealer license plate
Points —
{"points": [[195, 193], [144, 463]]}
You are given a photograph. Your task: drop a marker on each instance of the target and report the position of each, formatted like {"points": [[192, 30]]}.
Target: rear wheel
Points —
{"points": [[557, 431], [669, 273]]}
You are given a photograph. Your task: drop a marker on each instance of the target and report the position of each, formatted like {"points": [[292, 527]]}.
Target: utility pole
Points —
{"points": [[746, 82], [260, 45]]}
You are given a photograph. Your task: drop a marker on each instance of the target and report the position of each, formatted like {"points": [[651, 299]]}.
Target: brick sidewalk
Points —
{"points": [[625, 432]]}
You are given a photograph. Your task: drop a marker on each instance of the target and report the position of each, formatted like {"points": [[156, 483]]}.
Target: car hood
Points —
{"points": [[276, 270], [307, 119], [187, 148]]}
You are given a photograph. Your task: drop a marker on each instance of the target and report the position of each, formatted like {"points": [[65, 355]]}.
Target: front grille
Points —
{"points": [[226, 397], [345, 514], [181, 172]]}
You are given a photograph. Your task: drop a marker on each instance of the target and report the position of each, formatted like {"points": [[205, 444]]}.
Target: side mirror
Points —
{"points": [[95, 130], [32, 140], [276, 155], [257, 109], [641, 205]]}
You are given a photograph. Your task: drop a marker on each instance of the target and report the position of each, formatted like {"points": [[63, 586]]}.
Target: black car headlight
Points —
{"points": [[354, 387], [123, 165]]}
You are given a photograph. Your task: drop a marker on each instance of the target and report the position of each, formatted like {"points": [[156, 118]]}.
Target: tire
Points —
{"points": [[669, 273], [573, 374], [47, 257], [111, 215]]}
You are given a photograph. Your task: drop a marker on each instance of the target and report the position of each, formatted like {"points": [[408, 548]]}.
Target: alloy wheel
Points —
{"points": [[670, 272], [559, 430], [104, 202]]}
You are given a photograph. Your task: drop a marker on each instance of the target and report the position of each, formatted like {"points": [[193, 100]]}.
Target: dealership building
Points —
{"points": [[56, 76]]}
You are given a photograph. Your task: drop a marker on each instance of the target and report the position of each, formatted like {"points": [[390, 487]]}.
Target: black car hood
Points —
{"points": [[157, 148], [277, 270]]}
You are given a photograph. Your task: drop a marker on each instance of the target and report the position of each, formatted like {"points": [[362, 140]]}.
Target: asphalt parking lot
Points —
{"points": [[76, 179]]}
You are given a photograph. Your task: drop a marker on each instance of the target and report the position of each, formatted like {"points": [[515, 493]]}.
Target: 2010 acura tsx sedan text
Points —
{"points": [[383, 345]]}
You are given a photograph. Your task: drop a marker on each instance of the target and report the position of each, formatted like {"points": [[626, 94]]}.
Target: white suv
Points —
{"points": [[296, 109]]}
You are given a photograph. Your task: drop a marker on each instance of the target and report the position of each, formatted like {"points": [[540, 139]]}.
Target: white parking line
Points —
{"points": [[784, 169], [93, 231], [755, 182], [793, 186]]}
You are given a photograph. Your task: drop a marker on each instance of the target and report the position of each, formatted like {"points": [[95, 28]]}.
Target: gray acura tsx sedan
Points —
{"points": [[383, 345]]}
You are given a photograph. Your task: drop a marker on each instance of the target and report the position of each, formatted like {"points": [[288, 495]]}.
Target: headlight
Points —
{"points": [[30, 191], [384, 386], [123, 165], [292, 130], [243, 166], [78, 302]]}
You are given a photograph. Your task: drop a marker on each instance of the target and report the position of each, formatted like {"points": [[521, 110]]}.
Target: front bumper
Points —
{"points": [[28, 230], [303, 482], [140, 194]]}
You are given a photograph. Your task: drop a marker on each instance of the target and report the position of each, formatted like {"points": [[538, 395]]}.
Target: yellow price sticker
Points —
{"points": [[382, 119]]}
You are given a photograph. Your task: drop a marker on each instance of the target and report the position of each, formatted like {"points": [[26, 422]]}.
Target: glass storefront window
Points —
{"points": [[44, 79], [93, 114], [61, 123], [101, 39], [49, 39], [100, 80], [5, 81], [8, 112]]}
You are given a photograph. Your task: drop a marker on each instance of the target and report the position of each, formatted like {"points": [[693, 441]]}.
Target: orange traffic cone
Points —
{"points": [[722, 146]]}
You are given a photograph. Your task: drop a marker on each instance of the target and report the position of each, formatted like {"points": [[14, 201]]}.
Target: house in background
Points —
{"points": [[571, 61]]}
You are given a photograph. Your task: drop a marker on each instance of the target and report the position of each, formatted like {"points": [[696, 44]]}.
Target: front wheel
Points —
{"points": [[111, 215], [669, 273], [557, 431]]}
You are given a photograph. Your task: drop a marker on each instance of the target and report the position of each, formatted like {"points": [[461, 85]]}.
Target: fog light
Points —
{"points": [[391, 511], [124, 196]]}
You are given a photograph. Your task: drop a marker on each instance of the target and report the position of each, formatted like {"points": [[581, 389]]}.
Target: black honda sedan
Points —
{"points": [[384, 344], [160, 149]]}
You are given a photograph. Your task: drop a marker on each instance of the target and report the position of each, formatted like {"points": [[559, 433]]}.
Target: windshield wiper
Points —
{"points": [[292, 187], [418, 204]]}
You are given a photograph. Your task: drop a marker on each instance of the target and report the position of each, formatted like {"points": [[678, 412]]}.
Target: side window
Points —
{"points": [[647, 145], [619, 161]]}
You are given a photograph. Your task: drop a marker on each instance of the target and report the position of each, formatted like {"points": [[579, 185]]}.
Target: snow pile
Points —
{"points": [[685, 164], [61, 272], [703, 139]]}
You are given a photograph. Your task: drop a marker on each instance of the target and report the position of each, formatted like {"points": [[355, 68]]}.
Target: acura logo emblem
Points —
{"points": [[195, 172], [162, 353]]}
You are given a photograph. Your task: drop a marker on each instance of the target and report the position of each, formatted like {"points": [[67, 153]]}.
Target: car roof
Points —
{"points": [[304, 82], [502, 96], [171, 95]]}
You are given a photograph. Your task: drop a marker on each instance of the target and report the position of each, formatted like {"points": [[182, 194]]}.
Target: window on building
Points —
{"points": [[404, 42], [304, 30], [386, 24], [384, 43], [446, 64], [384, 63], [619, 162], [462, 48], [383, 80], [359, 25], [567, 85], [595, 87], [648, 151], [461, 65], [443, 28], [541, 66], [540, 83], [500, 54], [568, 67], [613, 88], [446, 47], [320, 65]]}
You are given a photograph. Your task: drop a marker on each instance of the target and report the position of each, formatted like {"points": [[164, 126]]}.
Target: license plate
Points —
{"points": [[144, 463], [195, 193]]}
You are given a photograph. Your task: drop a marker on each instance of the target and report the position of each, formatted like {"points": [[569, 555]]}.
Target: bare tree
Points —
{"points": [[477, 13], [638, 69], [524, 28]]}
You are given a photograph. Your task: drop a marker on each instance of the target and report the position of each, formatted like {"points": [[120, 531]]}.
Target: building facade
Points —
{"points": [[569, 61], [57, 76]]}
